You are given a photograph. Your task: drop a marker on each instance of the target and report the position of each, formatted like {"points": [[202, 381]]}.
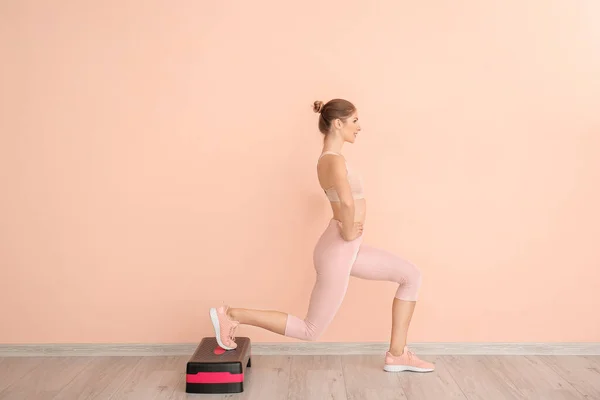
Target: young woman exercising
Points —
{"points": [[339, 254]]}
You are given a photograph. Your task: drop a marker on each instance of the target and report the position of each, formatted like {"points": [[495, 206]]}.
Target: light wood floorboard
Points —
{"points": [[306, 377], [581, 372], [432, 386]]}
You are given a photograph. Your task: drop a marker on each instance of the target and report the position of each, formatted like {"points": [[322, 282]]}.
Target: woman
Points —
{"points": [[339, 254]]}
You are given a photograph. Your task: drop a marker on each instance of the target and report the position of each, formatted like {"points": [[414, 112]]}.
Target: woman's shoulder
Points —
{"points": [[325, 153]]}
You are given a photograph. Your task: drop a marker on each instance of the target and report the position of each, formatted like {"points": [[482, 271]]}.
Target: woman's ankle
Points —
{"points": [[233, 313], [397, 349]]}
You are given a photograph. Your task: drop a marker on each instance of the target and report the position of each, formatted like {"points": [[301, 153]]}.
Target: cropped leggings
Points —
{"points": [[335, 260]]}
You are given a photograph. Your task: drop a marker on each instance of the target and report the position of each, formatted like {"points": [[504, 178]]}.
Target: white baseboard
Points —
{"points": [[431, 348], [301, 348]]}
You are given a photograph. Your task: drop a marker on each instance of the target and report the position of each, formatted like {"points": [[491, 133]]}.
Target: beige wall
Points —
{"points": [[149, 149]]}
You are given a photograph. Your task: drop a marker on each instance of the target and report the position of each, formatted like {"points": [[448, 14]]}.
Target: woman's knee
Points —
{"points": [[415, 277], [410, 283], [313, 336], [302, 329], [313, 332], [310, 335]]}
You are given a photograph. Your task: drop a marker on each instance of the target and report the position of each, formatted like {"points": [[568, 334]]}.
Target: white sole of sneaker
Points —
{"points": [[215, 321], [401, 368]]}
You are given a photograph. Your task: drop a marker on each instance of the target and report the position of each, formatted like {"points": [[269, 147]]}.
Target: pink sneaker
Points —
{"points": [[407, 361], [224, 327]]}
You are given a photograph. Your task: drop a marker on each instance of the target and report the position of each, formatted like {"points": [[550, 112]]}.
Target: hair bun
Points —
{"points": [[318, 106]]}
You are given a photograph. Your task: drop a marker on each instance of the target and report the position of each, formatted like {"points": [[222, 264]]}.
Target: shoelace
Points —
{"points": [[232, 327], [232, 332]]}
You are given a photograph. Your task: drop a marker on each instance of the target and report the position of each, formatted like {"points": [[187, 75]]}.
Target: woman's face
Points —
{"points": [[350, 128]]}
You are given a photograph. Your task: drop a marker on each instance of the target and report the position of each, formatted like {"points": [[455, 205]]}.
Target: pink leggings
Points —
{"points": [[335, 260]]}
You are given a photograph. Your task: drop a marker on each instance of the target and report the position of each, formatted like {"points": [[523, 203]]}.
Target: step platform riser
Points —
{"points": [[212, 370]]}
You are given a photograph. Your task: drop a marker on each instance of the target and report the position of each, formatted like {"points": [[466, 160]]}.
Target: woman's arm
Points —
{"points": [[338, 176]]}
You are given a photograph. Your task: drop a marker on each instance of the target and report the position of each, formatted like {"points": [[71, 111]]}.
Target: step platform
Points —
{"points": [[212, 369]]}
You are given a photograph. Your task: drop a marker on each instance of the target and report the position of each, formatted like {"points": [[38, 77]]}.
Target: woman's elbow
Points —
{"points": [[347, 203]]}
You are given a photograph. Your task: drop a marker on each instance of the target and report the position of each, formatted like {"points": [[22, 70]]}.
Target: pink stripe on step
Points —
{"points": [[214, 377]]}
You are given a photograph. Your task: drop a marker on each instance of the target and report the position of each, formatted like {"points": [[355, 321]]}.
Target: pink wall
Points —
{"points": [[148, 148]]}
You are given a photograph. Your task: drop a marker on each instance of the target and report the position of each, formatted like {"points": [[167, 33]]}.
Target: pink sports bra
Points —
{"points": [[354, 180]]}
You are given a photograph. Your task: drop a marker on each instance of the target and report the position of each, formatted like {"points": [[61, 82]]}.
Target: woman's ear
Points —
{"points": [[338, 123]]}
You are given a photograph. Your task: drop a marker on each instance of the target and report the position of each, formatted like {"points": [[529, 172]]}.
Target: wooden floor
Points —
{"points": [[306, 377]]}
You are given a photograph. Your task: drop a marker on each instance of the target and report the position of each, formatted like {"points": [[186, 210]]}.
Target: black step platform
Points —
{"points": [[212, 369]]}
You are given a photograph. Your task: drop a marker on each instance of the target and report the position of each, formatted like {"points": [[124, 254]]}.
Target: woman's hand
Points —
{"points": [[354, 232]]}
